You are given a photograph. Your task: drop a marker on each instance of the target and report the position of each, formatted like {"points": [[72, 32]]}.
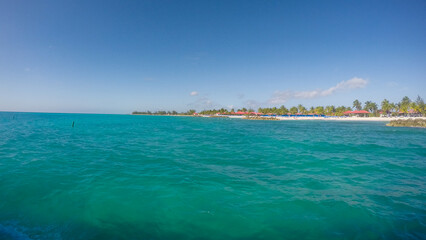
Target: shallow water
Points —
{"points": [[159, 177]]}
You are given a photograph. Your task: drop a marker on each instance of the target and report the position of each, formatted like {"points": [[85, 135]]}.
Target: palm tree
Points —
{"points": [[374, 108], [420, 105], [371, 107], [283, 110], [319, 110], [190, 112], [329, 110], [357, 105], [386, 106], [393, 108], [367, 105], [413, 106], [405, 104], [293, 110], [340, 110], [301, 109]]}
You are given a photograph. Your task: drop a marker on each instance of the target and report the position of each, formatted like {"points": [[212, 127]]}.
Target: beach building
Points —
{"points": [[357, 113], [409, 113], [246, 113], [240, 113]]}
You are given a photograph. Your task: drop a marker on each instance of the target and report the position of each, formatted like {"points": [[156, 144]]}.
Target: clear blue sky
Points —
{"points": [[121, 56]]}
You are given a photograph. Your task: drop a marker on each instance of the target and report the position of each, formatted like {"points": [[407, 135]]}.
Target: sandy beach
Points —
{"points": [[364, 119]]}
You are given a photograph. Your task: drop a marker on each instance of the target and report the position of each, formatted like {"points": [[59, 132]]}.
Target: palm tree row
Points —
{"points": [[405, 106], [387, 108], [189, 112]]}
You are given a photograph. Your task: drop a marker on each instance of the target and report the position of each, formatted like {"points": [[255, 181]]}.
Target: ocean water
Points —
{"points": [[160, 177]]}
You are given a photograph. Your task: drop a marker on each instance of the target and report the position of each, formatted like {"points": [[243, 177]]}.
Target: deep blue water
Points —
{"points": [[159, 177]]}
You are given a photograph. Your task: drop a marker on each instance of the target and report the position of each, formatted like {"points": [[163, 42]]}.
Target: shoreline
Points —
{"points": [[280, 118], [357, 119]]}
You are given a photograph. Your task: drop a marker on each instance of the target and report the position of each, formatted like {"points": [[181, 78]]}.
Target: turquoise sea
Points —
{"points": [[160, 177]]}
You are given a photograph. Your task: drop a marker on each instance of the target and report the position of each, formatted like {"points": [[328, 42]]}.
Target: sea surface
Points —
{"points": [[163, 177]]}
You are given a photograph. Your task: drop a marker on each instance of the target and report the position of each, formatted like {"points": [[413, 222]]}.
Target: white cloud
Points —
{"points": [[252, 104], [194, 93], [280, 97], [203, 102]]}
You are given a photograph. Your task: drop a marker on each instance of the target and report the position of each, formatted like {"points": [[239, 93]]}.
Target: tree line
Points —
{"points": [[190, 112], [386, 107], [389, 108]]}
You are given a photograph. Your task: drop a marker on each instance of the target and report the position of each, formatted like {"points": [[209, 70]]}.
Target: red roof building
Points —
{"points": [[241, 113], [357, 112], [409, 112]]}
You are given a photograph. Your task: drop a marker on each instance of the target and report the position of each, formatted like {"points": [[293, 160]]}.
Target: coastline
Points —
{"points": [[362, 119], [288, 118], [358, 119]]}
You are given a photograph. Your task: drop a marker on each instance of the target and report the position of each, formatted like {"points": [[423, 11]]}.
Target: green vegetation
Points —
{"points": [[405, 107], [293, 110], [277, 111], [419, 105], [319, 110], [261, 118], [386, 106], [329, 110], [357, 105], [222, 111], [300, 109], [189, 112], [371, 107]]}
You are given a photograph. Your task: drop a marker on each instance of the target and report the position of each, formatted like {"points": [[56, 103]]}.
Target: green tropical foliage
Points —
{"points": [[158, 113], [294, 110], [386, 106], [371, 107], [357, 105], [330, 110], [301, 109], [420, 106], [283, 110], [319, 110], [405, 106]]}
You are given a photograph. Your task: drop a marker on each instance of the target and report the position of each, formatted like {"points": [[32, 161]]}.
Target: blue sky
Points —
{"points": [[118, 56]]}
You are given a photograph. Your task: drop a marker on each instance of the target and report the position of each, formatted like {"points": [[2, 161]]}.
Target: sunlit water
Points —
{"points": [[152, 177]]}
